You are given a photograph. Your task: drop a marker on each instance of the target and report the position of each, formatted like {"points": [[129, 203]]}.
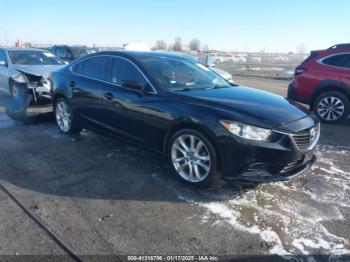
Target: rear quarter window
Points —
{"points": [[342, 60], [78, 68]]}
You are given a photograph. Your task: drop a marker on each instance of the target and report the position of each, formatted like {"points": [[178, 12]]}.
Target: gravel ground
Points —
{"points": [[93, 195]]}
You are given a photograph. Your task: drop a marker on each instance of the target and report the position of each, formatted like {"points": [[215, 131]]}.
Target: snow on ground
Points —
{"points": [[290, 217]]}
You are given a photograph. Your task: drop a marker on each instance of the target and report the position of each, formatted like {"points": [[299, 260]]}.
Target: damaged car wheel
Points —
{"points": [[65, 117]]}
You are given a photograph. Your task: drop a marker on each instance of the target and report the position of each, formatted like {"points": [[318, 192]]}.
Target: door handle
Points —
{"points": [[72, 84], [108, 96]]}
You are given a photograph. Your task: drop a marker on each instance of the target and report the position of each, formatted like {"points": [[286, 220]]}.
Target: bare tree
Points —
{"points": [[177, 44], [195, 44], [160, 45]]}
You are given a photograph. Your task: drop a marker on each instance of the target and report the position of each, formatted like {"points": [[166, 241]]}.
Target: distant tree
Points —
{"points": [[195, 44], [177, 44], [160, 45]]}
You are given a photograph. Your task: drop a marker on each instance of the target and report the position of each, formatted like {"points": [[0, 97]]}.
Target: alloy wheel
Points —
{"points": [[63, 116], [190, 158], [331, 108]]}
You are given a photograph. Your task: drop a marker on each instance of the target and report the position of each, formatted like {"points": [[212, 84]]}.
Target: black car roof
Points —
{"points": [[141, 55]]}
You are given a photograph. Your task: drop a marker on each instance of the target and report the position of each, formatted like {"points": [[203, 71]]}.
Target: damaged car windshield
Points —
{"points": [[33, 58], [180, 74]]}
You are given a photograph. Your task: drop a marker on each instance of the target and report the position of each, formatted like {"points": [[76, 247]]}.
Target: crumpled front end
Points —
{"points": [[31, 96], [38, 85]]}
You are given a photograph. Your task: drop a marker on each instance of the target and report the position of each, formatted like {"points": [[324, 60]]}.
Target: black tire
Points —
{"points": [[331, 118], [74, 127], [213, 173]]}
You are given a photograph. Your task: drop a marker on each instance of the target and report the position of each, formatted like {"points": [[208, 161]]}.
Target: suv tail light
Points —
{"points": [[299, 71]]}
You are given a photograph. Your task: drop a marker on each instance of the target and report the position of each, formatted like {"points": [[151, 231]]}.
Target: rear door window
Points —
{"points": [[95, 67]]}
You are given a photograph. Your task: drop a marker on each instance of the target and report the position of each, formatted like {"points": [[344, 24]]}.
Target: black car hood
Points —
{"points": [[250, 105]]}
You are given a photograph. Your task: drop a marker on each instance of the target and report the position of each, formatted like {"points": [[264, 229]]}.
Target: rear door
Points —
{"points": [[87, 82], [3, 71]]}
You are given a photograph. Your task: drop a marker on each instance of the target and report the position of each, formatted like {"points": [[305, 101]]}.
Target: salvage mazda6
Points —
{"points": [[205, 126]]}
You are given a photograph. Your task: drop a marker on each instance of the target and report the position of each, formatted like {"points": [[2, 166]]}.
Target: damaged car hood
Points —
{"points": [[38, 70]]}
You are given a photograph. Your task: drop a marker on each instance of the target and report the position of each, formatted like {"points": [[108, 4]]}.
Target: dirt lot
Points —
{"points": [[92, 195]]}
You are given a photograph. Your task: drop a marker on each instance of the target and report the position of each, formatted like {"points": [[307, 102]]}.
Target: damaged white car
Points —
{"points": [[29, 69]]}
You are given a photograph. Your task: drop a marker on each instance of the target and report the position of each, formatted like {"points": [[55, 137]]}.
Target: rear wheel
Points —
{"points": [[65, 119], [192, 157], [331, 107]]}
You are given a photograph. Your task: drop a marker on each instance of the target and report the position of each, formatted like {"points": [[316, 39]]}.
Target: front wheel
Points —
{"points": [[65, 119], [192, 157], [331, 107]]}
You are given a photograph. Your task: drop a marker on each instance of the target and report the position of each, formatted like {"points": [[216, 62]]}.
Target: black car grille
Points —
{"points": [[305, 139]]}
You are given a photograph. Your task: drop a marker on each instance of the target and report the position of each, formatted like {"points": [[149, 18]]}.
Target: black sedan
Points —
{"points": [[205, 126]]}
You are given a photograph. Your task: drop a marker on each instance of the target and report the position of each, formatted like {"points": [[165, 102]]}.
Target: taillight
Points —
{"points": [[299, 70]]}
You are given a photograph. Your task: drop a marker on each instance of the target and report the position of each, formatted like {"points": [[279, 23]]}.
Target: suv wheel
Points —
{"points": [[192, 157], [65, 118], [331, 107]]}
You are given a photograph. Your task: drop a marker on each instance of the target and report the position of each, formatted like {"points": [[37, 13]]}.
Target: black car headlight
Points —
{"points": [[246, 131]]}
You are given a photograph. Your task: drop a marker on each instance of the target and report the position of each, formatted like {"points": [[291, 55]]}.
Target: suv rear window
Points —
{"points": [[342, 60]]}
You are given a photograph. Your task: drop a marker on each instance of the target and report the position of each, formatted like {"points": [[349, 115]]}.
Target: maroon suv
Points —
{"points": [[323, 82]]}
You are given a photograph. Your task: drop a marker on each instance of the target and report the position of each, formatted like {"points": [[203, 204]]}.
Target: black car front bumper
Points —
{"points": [[266, 177], [255, 161]]}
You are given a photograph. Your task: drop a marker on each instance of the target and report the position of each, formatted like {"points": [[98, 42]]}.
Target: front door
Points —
{"points": [[129, 112]]}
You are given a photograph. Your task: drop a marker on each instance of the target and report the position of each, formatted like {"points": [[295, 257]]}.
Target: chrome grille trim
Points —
{"points": [[305, 140], [302, 137]]}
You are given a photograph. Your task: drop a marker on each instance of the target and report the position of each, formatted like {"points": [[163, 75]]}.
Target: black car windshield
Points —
{"points": [[33, 58], [182, 74]]}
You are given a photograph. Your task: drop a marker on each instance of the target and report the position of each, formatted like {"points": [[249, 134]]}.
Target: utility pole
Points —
{"points": [[6, 40]]}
